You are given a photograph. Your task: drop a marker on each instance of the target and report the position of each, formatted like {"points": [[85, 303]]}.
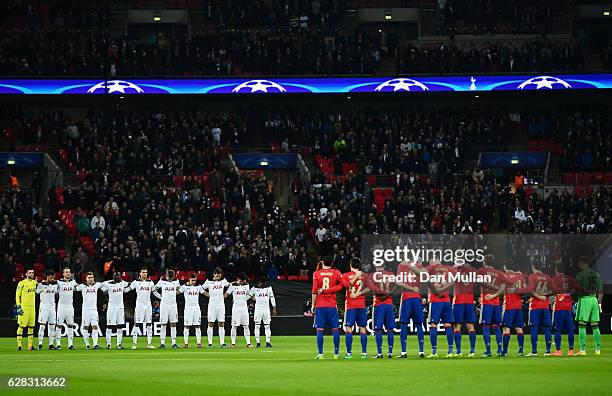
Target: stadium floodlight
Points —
{"points": [[607, 13], [10, 162], [388, 15]]}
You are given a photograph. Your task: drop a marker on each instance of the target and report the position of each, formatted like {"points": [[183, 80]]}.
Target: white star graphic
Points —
{"points": [[402, 85], [259, 87], [546, 83], [116, 88]]}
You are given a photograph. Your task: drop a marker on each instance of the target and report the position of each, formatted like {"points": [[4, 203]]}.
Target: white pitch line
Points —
{"points": [[176, 359]]}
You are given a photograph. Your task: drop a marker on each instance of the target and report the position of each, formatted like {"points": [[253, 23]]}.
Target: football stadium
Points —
{"points": [[282, 197]]}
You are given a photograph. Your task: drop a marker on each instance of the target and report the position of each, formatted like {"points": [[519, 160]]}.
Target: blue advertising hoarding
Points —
{"points": [[265, 161], [344, 85], [514, 159]]}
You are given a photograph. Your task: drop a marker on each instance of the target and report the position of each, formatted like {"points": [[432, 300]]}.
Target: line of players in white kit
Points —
{"points": [[217, 290]]}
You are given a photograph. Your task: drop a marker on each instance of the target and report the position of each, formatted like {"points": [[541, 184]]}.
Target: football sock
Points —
{"points": [[94, 335], [58, 335], [268, 332], [30, 336], [378, 338], [420, 336], [498, 338], [51, 333], [458, 341], [557, 339], [209, 334], [582, 336], [349, 342], [319, 340], [433, 337], [506, 343], [547, 338], [108, 336], [336, 336], [403, 336], [221, 335], [247, 334], [364, 343], [257, 333], [119, 336], [570, 338], [449, 338], [173, 334], [534, 339], [486, 335], [69, 334], [472, 341], [41, 333], [390, 340], [521, 341], [85, 337], [186, 335], [149, 333], [198, 334], [162, 334], [597, 337], [233, 333], [19, 336]]}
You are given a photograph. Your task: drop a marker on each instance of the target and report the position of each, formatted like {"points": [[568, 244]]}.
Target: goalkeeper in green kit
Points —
{"points": [[589, 305]]}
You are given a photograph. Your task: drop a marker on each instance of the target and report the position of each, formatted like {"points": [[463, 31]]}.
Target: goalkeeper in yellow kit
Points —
{"points": [[25, 308]]}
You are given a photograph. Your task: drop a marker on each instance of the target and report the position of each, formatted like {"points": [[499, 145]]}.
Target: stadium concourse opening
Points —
{"points": [[265, 188]]}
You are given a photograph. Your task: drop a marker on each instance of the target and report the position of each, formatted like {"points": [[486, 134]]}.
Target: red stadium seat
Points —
{"points": [[201, 275]]}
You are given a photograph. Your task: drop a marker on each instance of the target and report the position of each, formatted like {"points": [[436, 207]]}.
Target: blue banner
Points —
{"points": [[465, 83], [265, 161], [21, 160], [517, 159]]}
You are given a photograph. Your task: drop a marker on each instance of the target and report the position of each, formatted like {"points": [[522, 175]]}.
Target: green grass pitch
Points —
{"points": [[290, 369]]}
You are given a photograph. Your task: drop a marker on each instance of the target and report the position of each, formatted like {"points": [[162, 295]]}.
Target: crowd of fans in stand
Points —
{"points": [[223, 52], [275, 13], [496, 57], [497, 16], [584, 134], [234, 221], [409, 139]]}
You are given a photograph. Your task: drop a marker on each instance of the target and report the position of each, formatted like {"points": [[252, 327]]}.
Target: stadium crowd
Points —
{"points": [[448, 57], [224, 52], [490, 17], [180, 208]]}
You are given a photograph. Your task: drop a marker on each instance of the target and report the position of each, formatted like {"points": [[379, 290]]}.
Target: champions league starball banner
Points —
{"points": [[345, 85]]}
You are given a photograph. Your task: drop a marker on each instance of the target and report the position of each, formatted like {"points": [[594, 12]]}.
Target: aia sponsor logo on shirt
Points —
{"points": [[87, 291], [67, 289], [241, 292], [144, 288], [217, 286], [169, 288], [262, 295], [117, 290]]}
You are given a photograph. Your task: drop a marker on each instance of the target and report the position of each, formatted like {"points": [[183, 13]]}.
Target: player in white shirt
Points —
{"points": [[46, 313], [263, 296], [168, 311], [115, 312], [216, 305], [143, 313], [89, 312], [239, 291], [193, 315], [65, 309]]}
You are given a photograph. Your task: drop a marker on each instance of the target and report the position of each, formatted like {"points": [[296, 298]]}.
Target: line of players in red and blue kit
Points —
{"points": [[501, 307]]}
